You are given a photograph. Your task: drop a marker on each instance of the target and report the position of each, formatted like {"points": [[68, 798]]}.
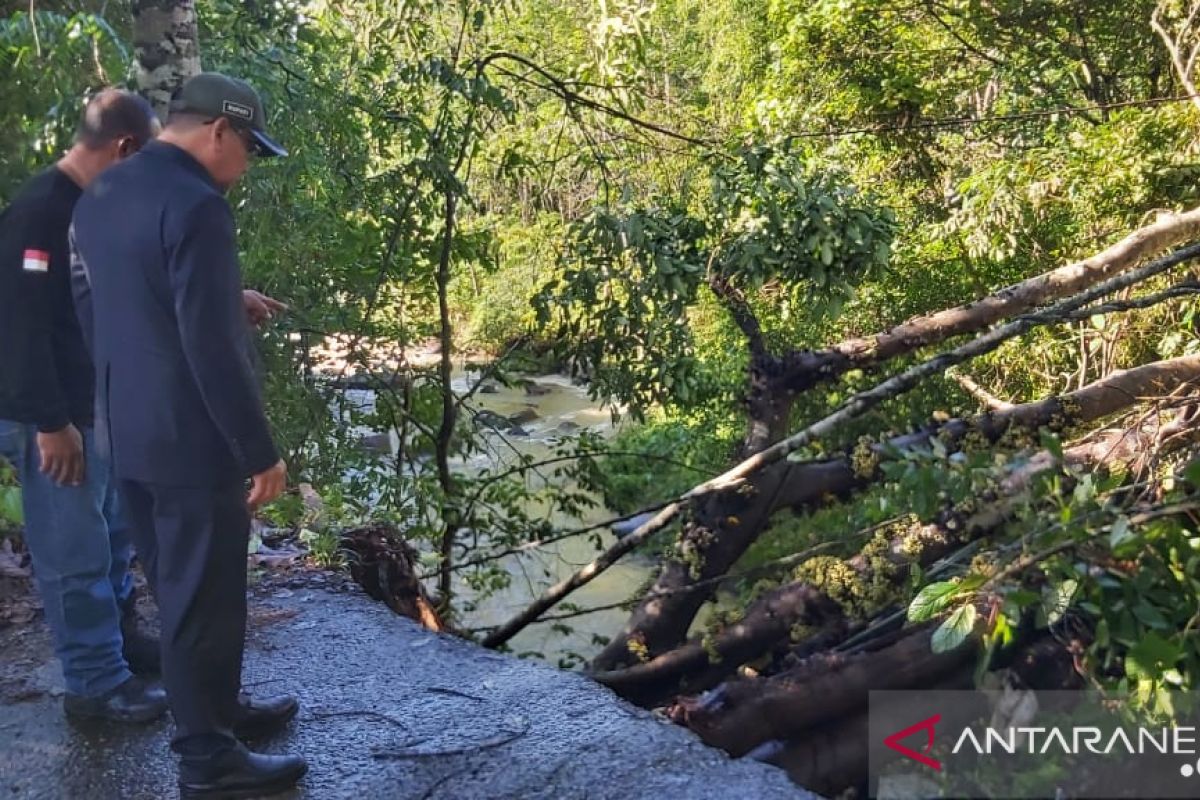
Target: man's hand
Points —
{"points": [[260, 308], [62, 455], [268, 485]]}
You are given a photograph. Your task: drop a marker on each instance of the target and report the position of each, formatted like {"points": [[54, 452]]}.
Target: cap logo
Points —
{"points": [[238, 110]]}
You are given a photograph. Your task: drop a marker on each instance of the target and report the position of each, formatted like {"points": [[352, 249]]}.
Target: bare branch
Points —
{"points": [[1175, 43], [905, 381], [978, 392]]}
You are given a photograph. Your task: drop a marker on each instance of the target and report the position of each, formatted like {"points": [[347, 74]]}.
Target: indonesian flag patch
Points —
{"points": [[36, 261]]}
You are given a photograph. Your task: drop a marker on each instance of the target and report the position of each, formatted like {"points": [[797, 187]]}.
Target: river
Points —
{"points": [[563, 409], [559, 405]]}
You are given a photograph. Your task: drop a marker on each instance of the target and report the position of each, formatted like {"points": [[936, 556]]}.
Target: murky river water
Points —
{"points": [[559, 406], [562, 405]]}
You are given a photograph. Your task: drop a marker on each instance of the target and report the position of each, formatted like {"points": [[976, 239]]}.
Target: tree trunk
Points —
{"points": [[725, 525], [716, 536], [450, 514], [804, 369], [767, 411], [738, 480], [864, 583], [769, 620], [825, 688], [167, 44], [811, 720]]}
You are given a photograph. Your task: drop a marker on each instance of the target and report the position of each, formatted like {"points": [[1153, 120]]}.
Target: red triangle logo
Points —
{"points": [[926, 725]]}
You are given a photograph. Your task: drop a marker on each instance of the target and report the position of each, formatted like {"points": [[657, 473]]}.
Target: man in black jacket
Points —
{"points": [[73, 527], [179, 405]]}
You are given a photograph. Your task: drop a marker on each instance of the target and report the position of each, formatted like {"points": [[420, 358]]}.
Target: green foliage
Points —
{"points": [[1087, 560], [622, 302], [955, 629], [931, 600], [773, 216], [322, 547], [11, 516], [996, 140], [682, 450], [495, 297], [385, 111], [48, 63]]}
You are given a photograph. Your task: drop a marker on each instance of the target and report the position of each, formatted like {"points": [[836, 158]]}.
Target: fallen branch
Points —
{"points": [[725, 526], [978, 392], [824, 688], [583, 576], [558, 537], [802, 370], [851, 409], [870, 578], [767, 621], [905, 381], [786, 719], [765, 568]]}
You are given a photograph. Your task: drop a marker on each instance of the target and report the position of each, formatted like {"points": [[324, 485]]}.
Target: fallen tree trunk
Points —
{"points": [[767, 621], [811, 720], [825, 688], [744, 714], [735, 479], [874, 577], [829, 763], [801, 370], [775, 380], [732, 522]]}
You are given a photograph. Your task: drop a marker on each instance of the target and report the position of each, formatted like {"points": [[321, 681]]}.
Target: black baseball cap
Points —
{"points": [[212, 94]]}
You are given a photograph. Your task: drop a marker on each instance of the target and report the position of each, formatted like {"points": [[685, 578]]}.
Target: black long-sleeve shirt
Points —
{"points": [[46, 375]]}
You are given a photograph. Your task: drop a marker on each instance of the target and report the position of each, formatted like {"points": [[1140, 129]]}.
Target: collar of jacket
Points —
{"points": [[179, 156]]}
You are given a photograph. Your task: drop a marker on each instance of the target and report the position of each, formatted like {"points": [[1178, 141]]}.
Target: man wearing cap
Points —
{"points": [[73, 526], [179, 405]]}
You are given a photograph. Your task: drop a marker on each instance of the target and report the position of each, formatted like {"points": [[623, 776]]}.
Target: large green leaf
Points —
{"points": [[930, 600], [1057, 599], [955, 630], [1151, 655]]}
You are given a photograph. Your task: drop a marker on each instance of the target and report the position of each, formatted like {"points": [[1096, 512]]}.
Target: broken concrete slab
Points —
{"points": [[390, 710]]}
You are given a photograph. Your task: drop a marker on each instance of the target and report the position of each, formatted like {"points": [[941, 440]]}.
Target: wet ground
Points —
{"points": [[389, 711]]}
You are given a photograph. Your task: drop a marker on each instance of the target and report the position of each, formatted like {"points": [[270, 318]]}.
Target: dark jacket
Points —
{"points": [[45, 370], [157, 282]]}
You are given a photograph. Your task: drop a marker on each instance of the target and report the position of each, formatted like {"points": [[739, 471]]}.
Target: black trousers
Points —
{"points": [[192, 543]]}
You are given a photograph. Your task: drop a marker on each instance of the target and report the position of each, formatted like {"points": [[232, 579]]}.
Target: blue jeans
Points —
{"points": [[80, 549]]}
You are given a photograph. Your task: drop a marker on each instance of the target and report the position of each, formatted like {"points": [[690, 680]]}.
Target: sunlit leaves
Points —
{"points": [[633, 274], [955, 629]]}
